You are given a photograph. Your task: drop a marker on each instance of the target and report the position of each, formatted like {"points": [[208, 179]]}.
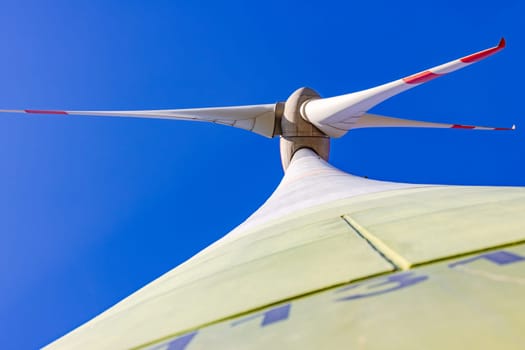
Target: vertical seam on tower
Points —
{"points": [[387, 253]]}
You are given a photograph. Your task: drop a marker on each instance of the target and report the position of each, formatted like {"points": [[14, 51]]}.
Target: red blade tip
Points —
{"points": [[39, 111], [511, 128]]}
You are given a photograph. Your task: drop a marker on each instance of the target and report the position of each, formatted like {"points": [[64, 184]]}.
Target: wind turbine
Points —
{"points": [[325, 240]]}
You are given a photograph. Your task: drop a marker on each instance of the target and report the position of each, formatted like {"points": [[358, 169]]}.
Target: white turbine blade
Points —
{"points": [[332, 115], [259, 119], [378, 121]]}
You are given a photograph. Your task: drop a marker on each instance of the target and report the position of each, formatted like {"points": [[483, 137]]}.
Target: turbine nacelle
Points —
{"points": [[296, 131]]}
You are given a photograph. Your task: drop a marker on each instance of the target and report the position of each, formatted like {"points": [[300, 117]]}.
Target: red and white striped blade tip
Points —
{"points": [[474, 127]]}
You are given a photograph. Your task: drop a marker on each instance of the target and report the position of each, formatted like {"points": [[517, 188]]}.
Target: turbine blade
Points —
{"points": [[331, 115], [379, 121], [259, 119]]}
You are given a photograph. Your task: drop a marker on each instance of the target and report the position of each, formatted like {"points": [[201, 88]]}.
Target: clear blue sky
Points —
{"points": [[91, 209]]}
